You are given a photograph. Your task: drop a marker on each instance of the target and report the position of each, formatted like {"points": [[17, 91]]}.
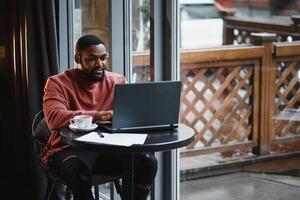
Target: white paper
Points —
{"points": [[123, 139]]}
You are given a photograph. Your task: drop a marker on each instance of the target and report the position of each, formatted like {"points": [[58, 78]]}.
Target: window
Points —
{"points": [[91, 17], [125, 28], [140, 33], [201, 24]]}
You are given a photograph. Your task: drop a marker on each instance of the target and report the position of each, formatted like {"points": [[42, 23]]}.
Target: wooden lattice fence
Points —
{"points": [[217, 104], [220, 87], [231, 93], [287, 94]]}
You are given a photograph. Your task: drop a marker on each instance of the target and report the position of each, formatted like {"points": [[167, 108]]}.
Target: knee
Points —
{"points": [[151, 161], [146, 171], [74, 170], [149, 164]]}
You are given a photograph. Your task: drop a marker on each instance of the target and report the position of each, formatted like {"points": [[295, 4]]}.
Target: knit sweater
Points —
{"points": [[69, 94]]}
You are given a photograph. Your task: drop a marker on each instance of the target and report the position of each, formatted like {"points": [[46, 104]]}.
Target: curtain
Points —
{"points": [[43, 58], [43, 62], [28, 34]]}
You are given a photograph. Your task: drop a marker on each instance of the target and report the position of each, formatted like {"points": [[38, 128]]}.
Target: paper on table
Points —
{"points": [[124, 139]]}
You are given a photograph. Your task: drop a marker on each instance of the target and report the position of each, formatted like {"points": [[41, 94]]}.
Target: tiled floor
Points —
{"points": [[242, 186], [235, 186]]}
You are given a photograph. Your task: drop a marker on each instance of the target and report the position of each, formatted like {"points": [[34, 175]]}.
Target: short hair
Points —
{"points": [[87, 40]]}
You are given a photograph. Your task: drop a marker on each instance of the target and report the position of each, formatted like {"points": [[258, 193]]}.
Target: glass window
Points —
{"points": [[201, 24], [220, 100], [91, 17], [140, 20]]}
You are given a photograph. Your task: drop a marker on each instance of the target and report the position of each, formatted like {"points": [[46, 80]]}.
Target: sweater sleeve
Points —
{"points": [[56, 107]]}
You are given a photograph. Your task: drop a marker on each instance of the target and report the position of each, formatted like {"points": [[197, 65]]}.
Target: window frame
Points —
{"points": [[164, 56]]}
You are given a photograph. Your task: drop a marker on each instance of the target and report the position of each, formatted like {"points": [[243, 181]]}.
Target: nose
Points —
{"points": [[99, 63]]}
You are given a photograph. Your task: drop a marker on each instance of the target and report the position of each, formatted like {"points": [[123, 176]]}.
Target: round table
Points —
{"points": [[162, 140]]}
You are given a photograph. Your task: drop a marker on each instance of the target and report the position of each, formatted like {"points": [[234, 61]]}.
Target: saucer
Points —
{"points": [[75, 128]]}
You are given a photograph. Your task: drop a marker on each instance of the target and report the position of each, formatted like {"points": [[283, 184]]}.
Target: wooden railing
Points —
{"points": [[219, 90], [231, 93], [141, 70], [258, 4], [238, 29], [285, 94]]}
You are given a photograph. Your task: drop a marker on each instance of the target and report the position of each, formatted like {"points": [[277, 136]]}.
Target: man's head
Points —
{"points": [[92, 56]]}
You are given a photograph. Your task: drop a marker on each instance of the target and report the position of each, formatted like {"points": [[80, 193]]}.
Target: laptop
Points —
{"points": [[140, 107]]}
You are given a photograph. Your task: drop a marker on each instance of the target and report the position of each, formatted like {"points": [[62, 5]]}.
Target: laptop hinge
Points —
{"points": [[149, 127]]}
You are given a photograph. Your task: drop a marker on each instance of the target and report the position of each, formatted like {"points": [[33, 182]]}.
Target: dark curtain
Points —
{"points": [[43, 62], [29, 34], [42, 48]]}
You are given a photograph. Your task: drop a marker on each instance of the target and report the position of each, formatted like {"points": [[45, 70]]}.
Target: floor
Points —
{"points": [[242, 186], [234, 186]]}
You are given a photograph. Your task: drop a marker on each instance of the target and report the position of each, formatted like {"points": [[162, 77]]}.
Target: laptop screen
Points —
{"points": [[146, 104]]}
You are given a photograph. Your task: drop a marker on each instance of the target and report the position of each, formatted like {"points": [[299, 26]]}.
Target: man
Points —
{"points": [[87, 89]]}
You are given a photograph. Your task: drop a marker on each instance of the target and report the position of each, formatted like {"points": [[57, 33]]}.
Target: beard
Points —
{"points": [[96, 75]]}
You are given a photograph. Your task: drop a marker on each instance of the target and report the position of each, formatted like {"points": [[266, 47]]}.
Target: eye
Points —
{"points": [[103, 58], [92, 59]]}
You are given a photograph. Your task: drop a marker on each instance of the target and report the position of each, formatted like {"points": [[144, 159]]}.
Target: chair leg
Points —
{"points": [[50, 189], [60, 191], [68, 193], [96, 191], [118, 186]]}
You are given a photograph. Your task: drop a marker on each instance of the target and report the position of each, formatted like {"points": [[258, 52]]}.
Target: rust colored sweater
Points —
{"points": [[69, 94]]}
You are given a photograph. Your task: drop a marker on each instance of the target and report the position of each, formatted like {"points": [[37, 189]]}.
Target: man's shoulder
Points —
{"points": [[63, 75], [61, 79], [111, 76]]}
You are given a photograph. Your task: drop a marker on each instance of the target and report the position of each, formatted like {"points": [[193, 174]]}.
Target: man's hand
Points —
{"points": [[104, 115]]}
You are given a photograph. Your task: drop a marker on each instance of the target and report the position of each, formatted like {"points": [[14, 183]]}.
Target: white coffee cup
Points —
{"points": [[82, 121]]}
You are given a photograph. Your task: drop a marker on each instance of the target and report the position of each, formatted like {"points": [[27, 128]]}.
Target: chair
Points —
{"points": [[41, 134]]}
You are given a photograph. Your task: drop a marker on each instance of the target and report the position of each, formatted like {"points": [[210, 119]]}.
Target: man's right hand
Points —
{"points": [[104, 116]]}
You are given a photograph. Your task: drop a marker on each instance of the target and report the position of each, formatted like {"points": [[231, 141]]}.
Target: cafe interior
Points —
{"points": [[239, 65]]}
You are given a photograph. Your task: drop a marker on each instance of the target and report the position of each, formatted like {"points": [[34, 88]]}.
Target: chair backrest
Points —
{"points": [[40, 133]]}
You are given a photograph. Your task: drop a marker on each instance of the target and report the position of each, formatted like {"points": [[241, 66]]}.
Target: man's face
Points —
{"points": [[93, 60]]}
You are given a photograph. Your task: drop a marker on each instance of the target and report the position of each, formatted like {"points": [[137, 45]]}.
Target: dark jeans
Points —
{"points": [[76, 166]]}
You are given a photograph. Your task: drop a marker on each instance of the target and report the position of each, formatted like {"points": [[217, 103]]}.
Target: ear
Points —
{"points": [[77, 58]]}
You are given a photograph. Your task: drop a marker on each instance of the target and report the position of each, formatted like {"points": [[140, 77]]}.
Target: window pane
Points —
{"points": [[140, 41], [201, 24], [91, 17], [219, 97]]}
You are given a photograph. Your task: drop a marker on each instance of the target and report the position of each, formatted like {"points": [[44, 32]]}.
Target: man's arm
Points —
{"points": [[56, 106]]}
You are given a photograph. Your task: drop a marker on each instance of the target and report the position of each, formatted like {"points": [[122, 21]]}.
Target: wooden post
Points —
{"points": [[267, 89], [296, 22], [295, 27], [228, 35]]}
